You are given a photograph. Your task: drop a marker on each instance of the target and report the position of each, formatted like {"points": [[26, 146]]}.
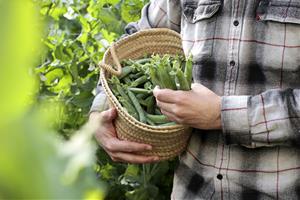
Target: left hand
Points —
{"points": [[199, 108]]}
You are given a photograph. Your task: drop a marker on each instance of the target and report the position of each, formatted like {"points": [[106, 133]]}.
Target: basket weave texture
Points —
{"points": [[168, 141]]}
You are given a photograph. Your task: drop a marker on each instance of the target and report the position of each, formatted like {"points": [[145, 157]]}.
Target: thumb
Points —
{"points": [[109, 115], [197, 86]]}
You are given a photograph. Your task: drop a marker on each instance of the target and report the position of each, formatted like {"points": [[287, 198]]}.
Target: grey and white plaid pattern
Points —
{"points": [[247, 51]]}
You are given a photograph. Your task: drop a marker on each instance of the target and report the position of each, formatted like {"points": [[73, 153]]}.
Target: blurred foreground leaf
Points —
{"points": [[19, 41], [35, 163]]}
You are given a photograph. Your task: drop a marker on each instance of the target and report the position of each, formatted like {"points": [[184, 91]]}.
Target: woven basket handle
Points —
{"points": [[115, 58]]}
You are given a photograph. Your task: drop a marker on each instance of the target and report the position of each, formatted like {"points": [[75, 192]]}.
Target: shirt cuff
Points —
{"points": [[234, 117], [100, 103]]}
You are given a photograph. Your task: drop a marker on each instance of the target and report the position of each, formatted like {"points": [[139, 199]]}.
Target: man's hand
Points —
{"points": [[199, 108], [118, 150]]}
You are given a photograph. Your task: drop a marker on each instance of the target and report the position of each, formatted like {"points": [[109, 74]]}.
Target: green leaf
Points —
{"points": [[84, 23], [63, 53], [57, 12], [83, 37], [82, 100], [109, 36], [53, 76], [132, 173], [108, 172], [130, 10]]}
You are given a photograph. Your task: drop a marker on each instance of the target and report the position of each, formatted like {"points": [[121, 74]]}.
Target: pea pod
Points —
{"points": [[143, 60], [157, 111], [137, 106], [114, 80], [136, 76], [188, 71], [139, 81], [127, 80], [130, 109], [158, 119], [153, 76], [165, 78], [168, 124], [125, 71], [150, 104], [143, 102], [113, 88], [150, 122], [148, 85], [113, 83], [167, 64], [122, 93], [140, 90], [141, 96], [128, 62], [183, 83]]}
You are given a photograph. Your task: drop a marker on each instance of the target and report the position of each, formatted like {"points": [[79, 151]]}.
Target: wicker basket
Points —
{"points": [[169, 141]]}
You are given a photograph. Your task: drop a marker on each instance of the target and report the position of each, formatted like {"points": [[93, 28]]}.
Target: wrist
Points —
{"points": [[95, 115], [218, 121]]}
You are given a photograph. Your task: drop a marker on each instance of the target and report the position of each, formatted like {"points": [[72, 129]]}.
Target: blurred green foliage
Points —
{"points": [[34, 162], [16, 53], [77, 34]]}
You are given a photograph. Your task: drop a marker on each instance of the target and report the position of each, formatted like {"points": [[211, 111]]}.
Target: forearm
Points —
{"points": [[268, 119], [100, 102], [157, 14]]}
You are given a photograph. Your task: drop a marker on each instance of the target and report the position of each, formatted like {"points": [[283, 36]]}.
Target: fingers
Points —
{"points": [[116, 145], [109, 115], [199, 88], [119, 150], [169, 107], [196, 86], [132, 158], [171, 117], [126, 151], [166, 95]]}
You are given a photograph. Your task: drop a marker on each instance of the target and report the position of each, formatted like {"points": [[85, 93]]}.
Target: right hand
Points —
{"points": [[118, 150]]}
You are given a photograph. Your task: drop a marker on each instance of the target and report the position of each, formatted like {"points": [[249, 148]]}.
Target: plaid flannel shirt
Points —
{"points": [[248, 52]]}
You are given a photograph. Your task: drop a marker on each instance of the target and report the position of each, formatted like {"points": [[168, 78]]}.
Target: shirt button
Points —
{"points": [[219, 176], [236, 23], [232, 63]]}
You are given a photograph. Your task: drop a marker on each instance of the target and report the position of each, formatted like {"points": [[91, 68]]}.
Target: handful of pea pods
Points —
{"points": [[133, 88]]}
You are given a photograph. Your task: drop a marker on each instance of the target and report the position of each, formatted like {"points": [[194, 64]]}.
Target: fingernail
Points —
{"points": [[155, 90], [148, 147], [156, 159]]}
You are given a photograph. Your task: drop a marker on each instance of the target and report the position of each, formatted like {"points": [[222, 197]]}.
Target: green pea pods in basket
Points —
{"points": [[138, 119]]}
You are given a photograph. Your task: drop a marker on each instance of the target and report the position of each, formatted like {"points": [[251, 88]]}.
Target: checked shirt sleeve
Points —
{"points": [[156, 14], [100, 102], [268, 119]]}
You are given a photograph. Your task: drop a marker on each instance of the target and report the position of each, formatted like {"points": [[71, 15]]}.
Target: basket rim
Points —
{"points": [[114, 100], [147, 31]]}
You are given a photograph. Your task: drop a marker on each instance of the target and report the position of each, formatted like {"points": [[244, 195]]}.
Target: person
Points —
{"points": [[244, 105]]}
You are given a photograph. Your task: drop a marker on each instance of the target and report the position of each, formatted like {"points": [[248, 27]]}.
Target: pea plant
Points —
{"points": [[77, 33]]}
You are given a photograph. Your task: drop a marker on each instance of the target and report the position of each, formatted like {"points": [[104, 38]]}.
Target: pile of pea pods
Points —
{"points": [[134, 87]]}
